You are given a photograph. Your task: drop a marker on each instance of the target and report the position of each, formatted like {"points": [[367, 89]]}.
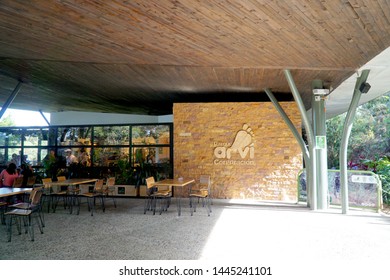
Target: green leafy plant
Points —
{"points": [[124, 172], [381, 167]]}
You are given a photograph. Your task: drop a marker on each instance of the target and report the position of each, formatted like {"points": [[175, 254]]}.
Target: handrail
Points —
{"points": [[377, 182]]}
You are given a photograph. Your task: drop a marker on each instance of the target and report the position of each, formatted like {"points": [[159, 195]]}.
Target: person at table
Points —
{"points": [[71, 164], [15, 159], [84, 159], [27, 172], [8, 175]]}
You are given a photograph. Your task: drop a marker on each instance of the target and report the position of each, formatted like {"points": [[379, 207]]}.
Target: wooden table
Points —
{"points": [[4, 192], [71, 184], [176, 183]]}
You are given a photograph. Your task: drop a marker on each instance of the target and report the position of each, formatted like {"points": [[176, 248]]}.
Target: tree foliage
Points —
{"points": [[370, 135], [7, 121], [369, 142]]}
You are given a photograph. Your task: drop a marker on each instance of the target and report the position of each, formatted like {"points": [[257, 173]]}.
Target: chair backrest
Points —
{"points": [[61, 178], [46, 187], [36, 195], [205, 184], [204, 181], [31, 180], [149, 182], [46, 180], [99, 185], [18, 182], [110, 182]]}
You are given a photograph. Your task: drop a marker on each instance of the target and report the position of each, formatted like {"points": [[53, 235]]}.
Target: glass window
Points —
{"points": [[11, 137], [68, 136], [155, 161], [3, 136], [109, 156], [14, 155], [150, 155], [2, 157], [50, 136], [111, 135], [43, 154], [33, 137], [150, 134], [104, 147], [30, 156]]}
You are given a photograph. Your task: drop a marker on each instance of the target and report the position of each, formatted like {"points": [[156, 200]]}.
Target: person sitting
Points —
{"points": [[26, 172], [84, 159], [8, 175]]}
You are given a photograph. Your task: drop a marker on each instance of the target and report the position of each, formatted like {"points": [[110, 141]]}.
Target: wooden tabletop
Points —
{"points": [[73, 181], [4, 192], [174, 182]]}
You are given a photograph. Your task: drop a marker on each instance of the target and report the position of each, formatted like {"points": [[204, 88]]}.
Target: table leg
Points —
{"points": [[178, 202]]}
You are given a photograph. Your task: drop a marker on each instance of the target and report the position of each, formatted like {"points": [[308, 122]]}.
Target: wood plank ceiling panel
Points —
{"points": [[141, 56]]}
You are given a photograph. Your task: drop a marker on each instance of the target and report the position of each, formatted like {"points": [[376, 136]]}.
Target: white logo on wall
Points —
{"points": [[242, 148]]}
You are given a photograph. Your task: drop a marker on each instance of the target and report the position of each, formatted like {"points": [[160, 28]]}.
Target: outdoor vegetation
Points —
{"points": [[369, 143]]}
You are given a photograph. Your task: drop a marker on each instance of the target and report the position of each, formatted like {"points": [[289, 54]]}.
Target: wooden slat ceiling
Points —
{"points": [[141, 56]]}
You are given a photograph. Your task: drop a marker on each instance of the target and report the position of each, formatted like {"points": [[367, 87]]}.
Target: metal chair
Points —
{"points": [[31, 181], [18, 182], [3, 208], [201, 192], [91, 196], [109, 189], [65, 193], [46, 191], [31, 204], [154, 194], [26, 215]]}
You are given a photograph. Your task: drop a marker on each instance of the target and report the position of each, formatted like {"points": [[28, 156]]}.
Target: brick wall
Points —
{"points": [[247, 148]]}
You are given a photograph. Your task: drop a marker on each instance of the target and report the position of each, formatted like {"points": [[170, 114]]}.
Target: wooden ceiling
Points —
{"points": [[142, 56]]}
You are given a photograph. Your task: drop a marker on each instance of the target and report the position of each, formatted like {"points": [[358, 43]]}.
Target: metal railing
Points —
{"points": [[365, 188]]}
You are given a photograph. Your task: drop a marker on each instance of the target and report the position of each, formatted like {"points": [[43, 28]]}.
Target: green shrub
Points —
{"points": [[381, 167]]}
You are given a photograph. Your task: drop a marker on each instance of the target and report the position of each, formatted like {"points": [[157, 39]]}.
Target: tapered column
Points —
{"points": [[360, 87], [312, 185], [10, 99]]}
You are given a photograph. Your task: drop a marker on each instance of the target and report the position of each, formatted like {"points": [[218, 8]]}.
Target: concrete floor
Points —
{"points": [[291, 238]]}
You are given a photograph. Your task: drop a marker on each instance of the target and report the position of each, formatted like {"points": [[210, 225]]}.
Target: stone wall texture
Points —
{"points": [[247, 148]]}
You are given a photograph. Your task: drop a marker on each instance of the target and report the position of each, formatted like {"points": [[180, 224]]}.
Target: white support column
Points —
{"points": [[312, 184], [319, 128], [360, 87]]}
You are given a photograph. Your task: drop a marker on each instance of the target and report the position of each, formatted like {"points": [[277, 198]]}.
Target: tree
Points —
{"points": [[334, 129], [369, 143], [370, 135], [7, 121]]}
